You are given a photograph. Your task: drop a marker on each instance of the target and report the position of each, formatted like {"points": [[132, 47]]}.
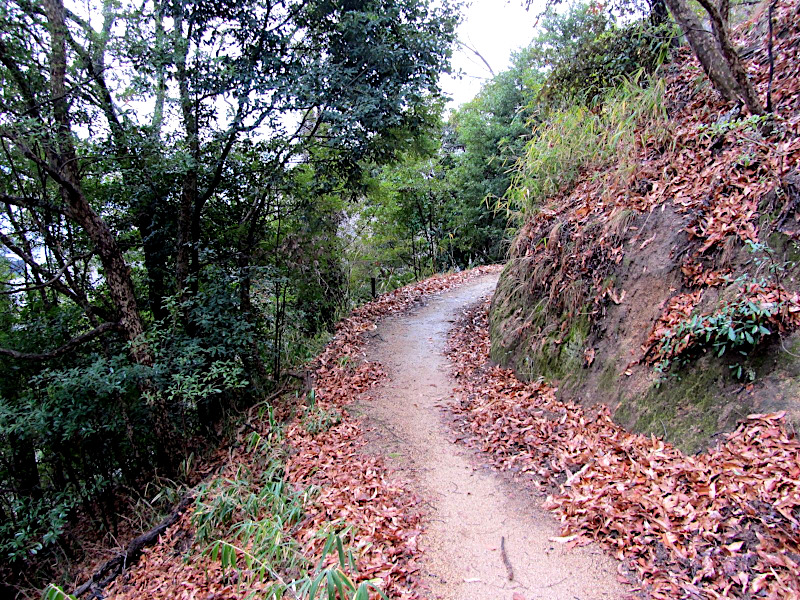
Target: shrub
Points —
{"points": [[602, 63]]}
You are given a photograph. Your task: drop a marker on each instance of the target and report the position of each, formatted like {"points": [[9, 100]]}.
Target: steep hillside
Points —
{"points": [[664, 284]]}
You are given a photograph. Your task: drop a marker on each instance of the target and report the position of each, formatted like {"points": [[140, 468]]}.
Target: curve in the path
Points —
{"points": [[470, 507]]}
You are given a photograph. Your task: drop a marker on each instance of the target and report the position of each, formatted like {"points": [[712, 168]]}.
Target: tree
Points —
{"points": [[153, 166], [236, 68], [714, 49], [43, 154], [716, 52]]}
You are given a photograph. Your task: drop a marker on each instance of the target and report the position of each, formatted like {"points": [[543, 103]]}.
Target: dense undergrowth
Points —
{"points": [[294, 507]]}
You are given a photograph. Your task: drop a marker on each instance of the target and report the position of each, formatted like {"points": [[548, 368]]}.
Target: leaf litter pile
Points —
{"points": [[730, 179], [723, 524], [334, 486]]}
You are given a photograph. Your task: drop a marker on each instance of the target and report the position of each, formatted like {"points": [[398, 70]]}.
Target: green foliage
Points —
{"points": [[252, 508], [245, 523], [92, 430], [578, 137], [485, 139], [740, 324], [602, 63], [250, 514], [317, 419], [38, 524], [329, 582], [721, 127], [193, 368], [53, 592]]}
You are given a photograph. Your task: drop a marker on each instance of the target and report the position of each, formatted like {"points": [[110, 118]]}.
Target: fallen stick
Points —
{"points": [[115, 566], [506, 562]]}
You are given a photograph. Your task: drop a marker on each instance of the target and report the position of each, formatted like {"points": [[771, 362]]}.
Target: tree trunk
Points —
{"points": [[63, 168], [744, 88], [658, 12], [253, 364], [705, 48], [189, 189], [716, 53], [155, 250]]}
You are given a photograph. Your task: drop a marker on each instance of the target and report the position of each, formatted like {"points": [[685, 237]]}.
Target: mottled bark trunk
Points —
{"points": [[189, 188], [716, 53], [744, 88], [65, 171]]}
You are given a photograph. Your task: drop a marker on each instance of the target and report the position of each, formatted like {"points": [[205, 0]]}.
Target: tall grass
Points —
{"points": [[572, 139], [245, 521]]}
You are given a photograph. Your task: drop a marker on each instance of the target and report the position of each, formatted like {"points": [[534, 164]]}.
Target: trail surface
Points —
{"points": [[469, 507]]}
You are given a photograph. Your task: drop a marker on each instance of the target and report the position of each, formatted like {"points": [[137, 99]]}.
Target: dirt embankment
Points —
{"points": [[600, 358], [626, 288]]}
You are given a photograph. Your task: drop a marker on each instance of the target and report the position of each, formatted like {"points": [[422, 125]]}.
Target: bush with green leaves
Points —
{"points": [[89, 430], [602, 63], [738, 326], [245, 521]]}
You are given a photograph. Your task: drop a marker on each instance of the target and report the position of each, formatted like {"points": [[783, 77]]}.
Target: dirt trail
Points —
{"points": [[470, 507]]}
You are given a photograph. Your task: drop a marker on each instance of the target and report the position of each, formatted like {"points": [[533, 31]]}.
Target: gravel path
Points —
{"points": [[470, 508]]}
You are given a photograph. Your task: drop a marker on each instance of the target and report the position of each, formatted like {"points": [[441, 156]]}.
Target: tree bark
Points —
{"points": [[64, 170], [744, 88], [716, 53], [705, 48], [253, 363], [189, 188]]}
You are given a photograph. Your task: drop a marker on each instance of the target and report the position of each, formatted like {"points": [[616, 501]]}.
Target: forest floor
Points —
{"points": [[422, 414], [485, 535]]}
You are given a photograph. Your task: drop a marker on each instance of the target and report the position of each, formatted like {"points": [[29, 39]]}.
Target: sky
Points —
{"points": [[494, 28]]}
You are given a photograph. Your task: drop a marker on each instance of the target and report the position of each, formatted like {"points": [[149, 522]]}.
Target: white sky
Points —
{"points": [[494, 28]]}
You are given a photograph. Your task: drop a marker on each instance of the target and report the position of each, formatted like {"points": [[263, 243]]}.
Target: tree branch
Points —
{"points": [[27, 258], [84, 337], [42, 284], [28, 202]]}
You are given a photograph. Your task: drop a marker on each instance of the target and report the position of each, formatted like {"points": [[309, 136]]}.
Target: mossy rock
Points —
{"points": [[685, 408]]}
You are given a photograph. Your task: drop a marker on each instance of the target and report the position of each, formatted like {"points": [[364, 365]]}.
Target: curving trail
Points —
{"points": [[469, 507]]}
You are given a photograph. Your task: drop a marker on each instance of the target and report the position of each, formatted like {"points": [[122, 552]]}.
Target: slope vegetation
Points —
{"points": [[661, 280]]}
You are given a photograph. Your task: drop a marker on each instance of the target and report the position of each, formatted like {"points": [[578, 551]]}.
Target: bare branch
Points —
{"points": [[43, 284], [37, 268], [479, 55]]}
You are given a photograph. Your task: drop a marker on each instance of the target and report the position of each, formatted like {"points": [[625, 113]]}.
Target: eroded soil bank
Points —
{"points": [[470, 509]]}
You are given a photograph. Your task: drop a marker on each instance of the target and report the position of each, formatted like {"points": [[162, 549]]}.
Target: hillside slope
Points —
{"points": [[625, 288]]}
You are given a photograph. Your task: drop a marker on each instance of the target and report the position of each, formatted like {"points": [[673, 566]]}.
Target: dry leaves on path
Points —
{"points": [[356, 490], [724, 524]]}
